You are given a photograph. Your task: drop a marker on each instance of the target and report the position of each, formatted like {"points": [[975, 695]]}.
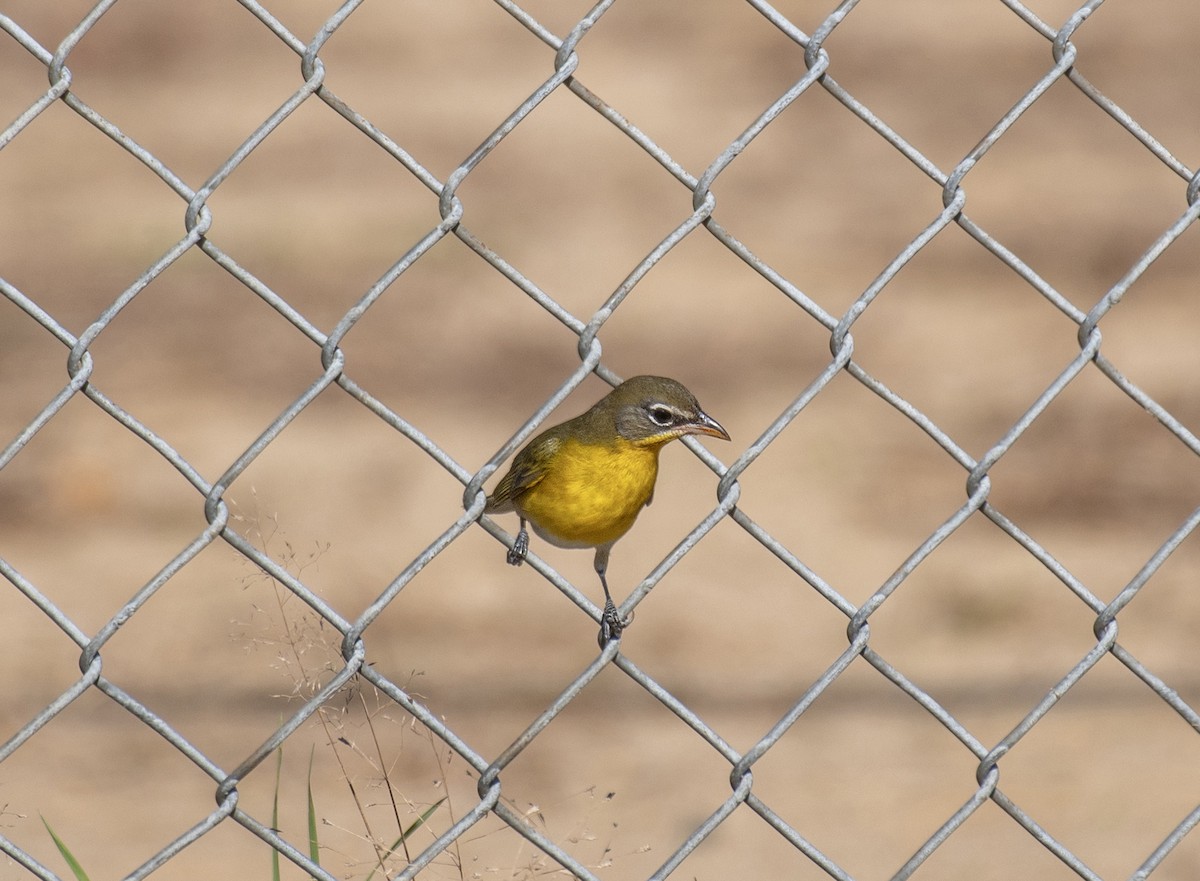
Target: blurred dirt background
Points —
{"points": [[89, 513]]}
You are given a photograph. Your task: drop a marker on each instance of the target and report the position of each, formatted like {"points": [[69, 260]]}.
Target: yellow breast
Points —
{"points": [[591, 493]]}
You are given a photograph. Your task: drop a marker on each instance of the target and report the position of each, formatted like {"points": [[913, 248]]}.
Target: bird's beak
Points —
{"points": [[705, 424]]}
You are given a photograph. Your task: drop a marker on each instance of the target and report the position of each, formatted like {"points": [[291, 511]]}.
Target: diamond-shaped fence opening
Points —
{"points": [[316, 272]]}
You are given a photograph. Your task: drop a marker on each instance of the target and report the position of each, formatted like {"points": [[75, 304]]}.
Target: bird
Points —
{"points": [[582, 483]]}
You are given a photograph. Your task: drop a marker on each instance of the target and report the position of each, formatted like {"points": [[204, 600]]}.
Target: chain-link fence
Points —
{"points": [[931, 615]]}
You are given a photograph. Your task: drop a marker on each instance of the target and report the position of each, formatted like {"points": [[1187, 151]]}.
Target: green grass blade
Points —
{"points": [[314, 846], [416, 824], [76, 869], [275, 812]]}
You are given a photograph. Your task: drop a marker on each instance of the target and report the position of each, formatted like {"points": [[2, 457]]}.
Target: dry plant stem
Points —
{"points": [[386, 777]]}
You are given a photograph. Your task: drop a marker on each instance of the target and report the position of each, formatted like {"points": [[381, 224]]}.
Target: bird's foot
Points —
{"points": [[611, 624], [520, 547]]}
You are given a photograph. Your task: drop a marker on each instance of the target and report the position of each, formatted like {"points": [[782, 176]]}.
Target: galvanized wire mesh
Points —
{"points": [[564, 51]]}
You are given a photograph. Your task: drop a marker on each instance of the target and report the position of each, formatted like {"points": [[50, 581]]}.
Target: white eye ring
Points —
{"points": [[660, 415]]}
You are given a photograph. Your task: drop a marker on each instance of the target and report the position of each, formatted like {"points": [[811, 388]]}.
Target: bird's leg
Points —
{"points": [[611, 623], [520, 547]]}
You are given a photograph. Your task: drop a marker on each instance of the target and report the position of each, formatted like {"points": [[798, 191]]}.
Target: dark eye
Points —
{"points": [[660, 415]]}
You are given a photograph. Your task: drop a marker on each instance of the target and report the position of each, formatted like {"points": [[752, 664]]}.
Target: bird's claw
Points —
{"points": [[520, 547], [611, 624]]}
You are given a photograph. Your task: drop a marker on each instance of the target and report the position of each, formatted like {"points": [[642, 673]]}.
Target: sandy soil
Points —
{"points": [[318, 213]]}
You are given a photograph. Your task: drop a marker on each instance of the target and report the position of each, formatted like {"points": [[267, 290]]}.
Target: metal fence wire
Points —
{"points": [[752, 817]]}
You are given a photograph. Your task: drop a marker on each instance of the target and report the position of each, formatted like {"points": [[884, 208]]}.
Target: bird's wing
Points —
{"points": [[528, 470]]}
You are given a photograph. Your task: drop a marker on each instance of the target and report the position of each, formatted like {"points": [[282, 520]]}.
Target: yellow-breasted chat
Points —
{"points": [[583, 483]]}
